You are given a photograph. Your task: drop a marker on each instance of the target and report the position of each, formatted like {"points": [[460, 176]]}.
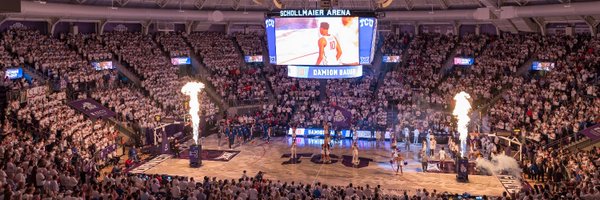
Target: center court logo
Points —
{"points": [[226, 156]]}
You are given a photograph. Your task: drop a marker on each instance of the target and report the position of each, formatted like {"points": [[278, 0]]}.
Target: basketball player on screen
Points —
{"points": [[348, 35], [329, 47]]}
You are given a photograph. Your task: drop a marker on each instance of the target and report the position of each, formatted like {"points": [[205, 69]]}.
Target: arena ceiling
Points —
{"points": [[264, 5], [507, 15]]}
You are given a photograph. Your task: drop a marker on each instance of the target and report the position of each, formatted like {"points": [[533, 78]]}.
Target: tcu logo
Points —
{"points": [[270, 23], [366, 22]]}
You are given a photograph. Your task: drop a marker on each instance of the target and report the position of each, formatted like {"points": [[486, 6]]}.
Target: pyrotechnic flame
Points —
{"points": [[461, 111], [192, 89]]}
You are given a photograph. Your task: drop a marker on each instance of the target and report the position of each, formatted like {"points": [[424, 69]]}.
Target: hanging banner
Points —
{"points": [[592, 132], [341, 117], [92, 109]]}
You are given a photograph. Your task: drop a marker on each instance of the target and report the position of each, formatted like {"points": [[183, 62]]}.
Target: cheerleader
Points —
{"points": [[377, 138], [269, 134], [393, 142], [327, 152], [354, 134], [406, 135], [355, 160], [399, 161], [326, 133], [323, 158], [294, 132], [294, 153], [432, 145], [407, 140]]}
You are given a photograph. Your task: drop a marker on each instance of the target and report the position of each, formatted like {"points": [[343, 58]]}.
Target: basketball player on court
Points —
{"points": [[329, 47]]}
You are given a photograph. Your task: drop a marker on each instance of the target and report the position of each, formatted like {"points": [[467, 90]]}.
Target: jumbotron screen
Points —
{"points": [[320, 38]]}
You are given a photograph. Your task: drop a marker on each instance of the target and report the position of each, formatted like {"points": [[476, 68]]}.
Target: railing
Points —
{"points": [[136, 138], [42, 78], [583, 144], [562, 140], [21, 93]]}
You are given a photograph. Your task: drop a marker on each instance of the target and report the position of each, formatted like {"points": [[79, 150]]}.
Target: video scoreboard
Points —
{"points": [[320, 43]]}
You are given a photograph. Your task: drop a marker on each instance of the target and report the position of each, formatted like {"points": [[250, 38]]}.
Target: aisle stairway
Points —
{"points": [[449, 63], [126, 72], [270, 93], [202, 75], [34, 74], [323, 90]]}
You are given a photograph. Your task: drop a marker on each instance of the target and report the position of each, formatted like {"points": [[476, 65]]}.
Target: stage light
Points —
{"points": [[461, 111], [278, 4], [192, 89], [384, 3]]}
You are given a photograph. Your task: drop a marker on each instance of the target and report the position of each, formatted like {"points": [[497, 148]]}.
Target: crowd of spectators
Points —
{"points": [[160, 78], [51, 120], [90, 46], [44, 169], [424, 97], [426, 55], [173, 43], [50, 56], [357, 96], [411, 86], [55, 155], [560, 174], [254, 188], [131, 105], [250, 43], [471, 45], [235, 82], [395, 44], [291, 93], [7, 61], [492, 71], [558, 103]]}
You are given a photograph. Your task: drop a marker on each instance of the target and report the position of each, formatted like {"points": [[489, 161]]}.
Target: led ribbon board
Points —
{"points": [[321, 72]]}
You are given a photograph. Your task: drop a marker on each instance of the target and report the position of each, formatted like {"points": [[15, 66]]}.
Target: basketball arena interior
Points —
{"points": [[299, 99]]}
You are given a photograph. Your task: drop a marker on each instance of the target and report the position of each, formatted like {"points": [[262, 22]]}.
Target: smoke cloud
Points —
{"points": [[499, 165]]}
